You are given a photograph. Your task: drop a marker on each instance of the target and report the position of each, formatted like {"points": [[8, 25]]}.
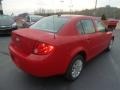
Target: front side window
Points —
{"points": [[88, 26], [100, 26]]}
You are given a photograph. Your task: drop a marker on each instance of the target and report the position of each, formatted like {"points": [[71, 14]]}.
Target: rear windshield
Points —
{"points": [[51, 23]]}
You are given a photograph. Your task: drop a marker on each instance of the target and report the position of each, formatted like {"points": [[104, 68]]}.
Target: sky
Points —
{"points": [[21, 6]]}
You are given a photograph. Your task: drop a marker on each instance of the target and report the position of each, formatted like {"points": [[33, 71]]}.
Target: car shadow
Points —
{"points": [[59, 82], [93, 60], [51, 83]]}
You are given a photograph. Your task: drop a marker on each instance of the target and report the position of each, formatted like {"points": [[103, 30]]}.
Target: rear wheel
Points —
{"points": [[75, 68]]}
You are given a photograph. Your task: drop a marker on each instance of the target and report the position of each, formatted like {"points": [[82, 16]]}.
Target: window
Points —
{"points": [[88, 26], [100, 26], [80, 28], [35, 18], [51, 23]]}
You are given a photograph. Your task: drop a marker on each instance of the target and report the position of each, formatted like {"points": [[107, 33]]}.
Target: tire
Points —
{"points": [[110, 45], [75, 68]]}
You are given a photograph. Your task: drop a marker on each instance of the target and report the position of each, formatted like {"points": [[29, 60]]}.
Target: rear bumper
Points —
{"points": [[40, 66]]}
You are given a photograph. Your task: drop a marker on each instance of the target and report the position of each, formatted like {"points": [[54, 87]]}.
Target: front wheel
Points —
{"points": [[75, 68], [110, 45]]}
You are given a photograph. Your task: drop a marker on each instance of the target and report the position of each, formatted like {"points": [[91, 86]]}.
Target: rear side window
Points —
{"points": [[88, 26], [100, 26], [51, 23]]}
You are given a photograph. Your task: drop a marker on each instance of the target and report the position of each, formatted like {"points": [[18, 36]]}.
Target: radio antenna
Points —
{"points": [[54, 25], [54, 19]]}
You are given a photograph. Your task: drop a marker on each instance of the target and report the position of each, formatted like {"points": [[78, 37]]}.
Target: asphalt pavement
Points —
{"points": [[102, 73]]}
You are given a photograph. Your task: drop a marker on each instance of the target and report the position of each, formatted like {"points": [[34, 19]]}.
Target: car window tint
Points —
{"points": [[88, 26], [51, 23], [80, 28], [100, 26]]}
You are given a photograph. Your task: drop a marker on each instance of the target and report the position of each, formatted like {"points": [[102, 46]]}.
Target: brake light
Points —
{"points": [[43, 49]]}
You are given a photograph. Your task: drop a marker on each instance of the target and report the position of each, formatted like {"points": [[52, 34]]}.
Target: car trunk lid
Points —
{"points": [[25, 39]]}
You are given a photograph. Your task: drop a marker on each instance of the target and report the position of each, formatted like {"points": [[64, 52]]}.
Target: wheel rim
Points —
{"points": [[111, 43], [76, 69]]}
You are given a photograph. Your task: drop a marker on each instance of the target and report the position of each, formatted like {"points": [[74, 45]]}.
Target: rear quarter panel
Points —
{"points": [[67, 47]]}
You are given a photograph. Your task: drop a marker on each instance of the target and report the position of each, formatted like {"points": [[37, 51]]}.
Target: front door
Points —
{"points": [[102, 34]]}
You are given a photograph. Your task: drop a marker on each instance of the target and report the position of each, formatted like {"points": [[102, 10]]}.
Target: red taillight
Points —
{"points": [[43, 49]]}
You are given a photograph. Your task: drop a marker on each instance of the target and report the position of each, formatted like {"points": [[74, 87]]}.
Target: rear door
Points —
{"points": [[90, 37]]}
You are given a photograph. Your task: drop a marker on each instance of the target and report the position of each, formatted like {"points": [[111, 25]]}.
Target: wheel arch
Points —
{"points": [[81, 52]]}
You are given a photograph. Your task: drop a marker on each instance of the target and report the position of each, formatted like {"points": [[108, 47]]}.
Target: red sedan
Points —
{"points": [[59, 45], [111, 23]]}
